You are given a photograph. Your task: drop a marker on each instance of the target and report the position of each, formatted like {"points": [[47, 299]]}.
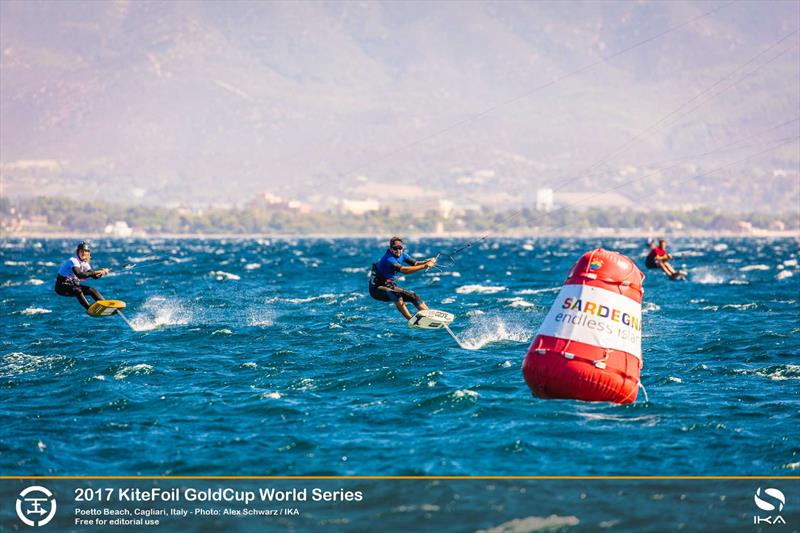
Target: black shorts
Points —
{"points": [[385, 294], [69, 287]]}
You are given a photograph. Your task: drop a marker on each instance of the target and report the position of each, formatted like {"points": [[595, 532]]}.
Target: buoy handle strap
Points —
{"points": [[610, 281], [599, 363]]}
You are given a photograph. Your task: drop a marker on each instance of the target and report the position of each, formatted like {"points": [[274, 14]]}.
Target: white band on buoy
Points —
{"points": [[595, 316]]}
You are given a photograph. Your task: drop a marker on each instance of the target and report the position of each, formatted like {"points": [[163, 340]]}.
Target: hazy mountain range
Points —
{"points": [[209, 102]]}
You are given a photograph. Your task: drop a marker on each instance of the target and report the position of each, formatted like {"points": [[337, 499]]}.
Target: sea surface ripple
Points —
{"points": [[268, 357]]}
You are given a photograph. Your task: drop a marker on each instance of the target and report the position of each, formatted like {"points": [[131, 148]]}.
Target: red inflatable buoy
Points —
{"points": [[589, 346]]}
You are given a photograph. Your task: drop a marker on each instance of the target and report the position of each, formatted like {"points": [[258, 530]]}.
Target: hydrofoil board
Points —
{"points": [[430, 319], [105, 307]]}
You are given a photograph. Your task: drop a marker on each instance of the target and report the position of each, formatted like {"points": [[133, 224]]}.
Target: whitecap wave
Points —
{"points": [[537, 291], [35, 311], [750, 268], [252, 266], [35, 282], [305, 384], [133, 370], [487, 329], [142, 259], [219, 275], [775, 373], [326, 296], [16, 363], [260, 317], [783, 274], [707, 277], [158, 311], [517, 302], [650, 306], [644, 420], [740, 307], [479, 289]]}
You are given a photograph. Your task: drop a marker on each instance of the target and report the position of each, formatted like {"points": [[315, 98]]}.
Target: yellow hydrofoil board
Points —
{"points": [[105, 307]]}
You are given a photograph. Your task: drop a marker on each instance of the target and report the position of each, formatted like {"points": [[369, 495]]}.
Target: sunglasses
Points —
{"points": [[397, 247]]}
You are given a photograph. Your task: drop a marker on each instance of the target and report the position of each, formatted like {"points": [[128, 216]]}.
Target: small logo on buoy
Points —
{"points": [[595, 264]]}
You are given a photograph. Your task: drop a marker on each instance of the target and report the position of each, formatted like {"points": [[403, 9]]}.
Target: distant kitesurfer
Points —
{"points": [[658, 258], [395, 261], [75, 269]]}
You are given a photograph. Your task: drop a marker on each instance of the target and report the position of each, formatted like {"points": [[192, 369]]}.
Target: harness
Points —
{"points": [[377, 280]]}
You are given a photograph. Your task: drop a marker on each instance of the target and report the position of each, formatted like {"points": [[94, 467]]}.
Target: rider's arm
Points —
{"points": [[94, 274], [415, 268]]}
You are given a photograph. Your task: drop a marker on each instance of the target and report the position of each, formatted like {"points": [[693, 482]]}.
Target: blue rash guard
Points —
{"points": [[381, 281], [389, 266]]}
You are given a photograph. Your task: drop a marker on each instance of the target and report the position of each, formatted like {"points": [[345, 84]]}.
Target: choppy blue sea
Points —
{"points": [[268, 357]]}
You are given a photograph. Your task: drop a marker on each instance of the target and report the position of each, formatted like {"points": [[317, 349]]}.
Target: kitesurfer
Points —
{"points": [[75, 269], [659, 258], [395, 261]]}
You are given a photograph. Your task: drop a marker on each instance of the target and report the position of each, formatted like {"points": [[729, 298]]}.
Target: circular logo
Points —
{"points": [[36, 506], [776, 500]]}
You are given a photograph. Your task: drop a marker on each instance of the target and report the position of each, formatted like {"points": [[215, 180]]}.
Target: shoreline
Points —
{"points": [[631, 234]]}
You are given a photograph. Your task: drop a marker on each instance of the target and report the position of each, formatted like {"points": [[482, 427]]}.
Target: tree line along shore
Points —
{"points": [[64, 216]]}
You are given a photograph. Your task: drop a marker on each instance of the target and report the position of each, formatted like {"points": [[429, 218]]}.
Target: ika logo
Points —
{"points": [[770, 500], [36, 501]]}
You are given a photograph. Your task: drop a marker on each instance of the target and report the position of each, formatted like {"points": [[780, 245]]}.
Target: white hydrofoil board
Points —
{"points": [[430, 319]]}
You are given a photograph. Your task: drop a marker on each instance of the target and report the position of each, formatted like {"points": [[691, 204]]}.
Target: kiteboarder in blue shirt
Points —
{"points": [[381, 281]]}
